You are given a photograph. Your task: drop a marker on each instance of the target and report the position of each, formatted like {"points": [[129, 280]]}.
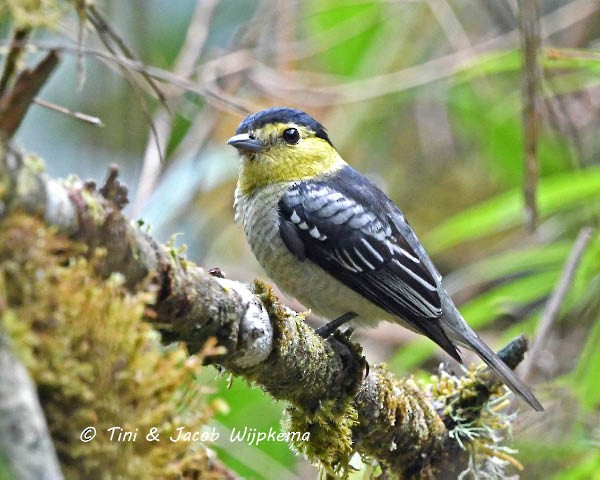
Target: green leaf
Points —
{"points": [[490, 63], [585, 378], [537, 258], [250, 407], [503, 61], [354, 22], [557, 193], [487, 306], [494, 131], [588, 468]]}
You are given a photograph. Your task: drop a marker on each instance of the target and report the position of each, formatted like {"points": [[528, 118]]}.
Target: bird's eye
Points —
{"points": [[291, 136]]}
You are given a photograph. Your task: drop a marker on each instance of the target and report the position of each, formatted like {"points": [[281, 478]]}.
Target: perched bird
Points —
{"points": [[330, 238]]}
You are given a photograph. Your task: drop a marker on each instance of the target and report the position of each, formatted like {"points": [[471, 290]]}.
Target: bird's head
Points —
{"points": [[280, 145]]}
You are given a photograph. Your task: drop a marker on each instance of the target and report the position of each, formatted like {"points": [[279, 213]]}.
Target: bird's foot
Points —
{"points": [[326, 330]]}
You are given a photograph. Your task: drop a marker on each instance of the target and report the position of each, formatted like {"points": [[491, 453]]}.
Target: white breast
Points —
{"points": [[304, 280]]}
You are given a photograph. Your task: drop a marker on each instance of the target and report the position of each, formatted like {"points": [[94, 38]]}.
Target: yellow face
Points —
{"points": [[281, 152]]}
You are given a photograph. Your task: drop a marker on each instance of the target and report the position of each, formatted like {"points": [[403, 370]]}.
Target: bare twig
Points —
{"points": [[561, 119], [236, 62], [195, 38], [153, 158], [455, 33], [81, 13], [531, 94], [15, 103], [18, 40], [97, 122], [553, 305]]}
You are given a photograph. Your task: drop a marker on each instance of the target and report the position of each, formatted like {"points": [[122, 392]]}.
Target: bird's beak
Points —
{"points": [[245, 143]]}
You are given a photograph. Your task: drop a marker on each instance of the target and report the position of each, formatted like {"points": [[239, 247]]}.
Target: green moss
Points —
{"points": [[330, 427], [267, 296], [96, 362], [416, 427], [35, 164], [330, 424], [34, 13], [276, 312], [93, 207]]}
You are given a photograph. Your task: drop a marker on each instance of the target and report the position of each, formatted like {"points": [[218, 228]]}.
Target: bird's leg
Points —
{"points": [[326, 330]]}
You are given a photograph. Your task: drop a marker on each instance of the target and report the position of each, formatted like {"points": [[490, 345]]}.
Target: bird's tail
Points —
{"points": [[504, 372], [458, 331]]}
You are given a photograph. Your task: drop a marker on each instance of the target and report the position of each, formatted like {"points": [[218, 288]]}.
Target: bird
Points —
{"points": [[327, 236]]}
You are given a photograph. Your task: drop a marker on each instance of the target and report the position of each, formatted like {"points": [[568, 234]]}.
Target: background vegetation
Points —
{"points": [[423, 96]]}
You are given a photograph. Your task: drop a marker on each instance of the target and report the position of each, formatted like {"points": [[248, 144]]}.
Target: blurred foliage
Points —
{"points": [[424, 97], [250, 407]]}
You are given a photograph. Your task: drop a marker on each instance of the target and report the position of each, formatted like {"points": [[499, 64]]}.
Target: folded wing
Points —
{"points": [[356, 234]]}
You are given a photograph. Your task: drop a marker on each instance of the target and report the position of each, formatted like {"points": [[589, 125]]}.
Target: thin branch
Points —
{"points": [[25, 444], [532, 104], [16, 102], [84, 117], [236, 62], [455, 33], [552, 308], [195, 38], [285, 30], [562, 120], [18, 40], [154, 154], [82, 15]]}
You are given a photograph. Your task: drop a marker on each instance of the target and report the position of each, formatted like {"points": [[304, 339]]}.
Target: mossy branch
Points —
{"points": [[411, 431]]}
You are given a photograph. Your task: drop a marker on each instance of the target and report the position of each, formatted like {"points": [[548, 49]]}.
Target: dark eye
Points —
{"points": [[291, 136]]}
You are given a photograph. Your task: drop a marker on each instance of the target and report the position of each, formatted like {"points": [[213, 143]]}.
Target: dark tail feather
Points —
{"points": [[439, 336], [459, 332], [504, 372]]}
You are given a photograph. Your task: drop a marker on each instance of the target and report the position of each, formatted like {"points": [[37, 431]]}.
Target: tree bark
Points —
{"points": [[25, 442]]}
